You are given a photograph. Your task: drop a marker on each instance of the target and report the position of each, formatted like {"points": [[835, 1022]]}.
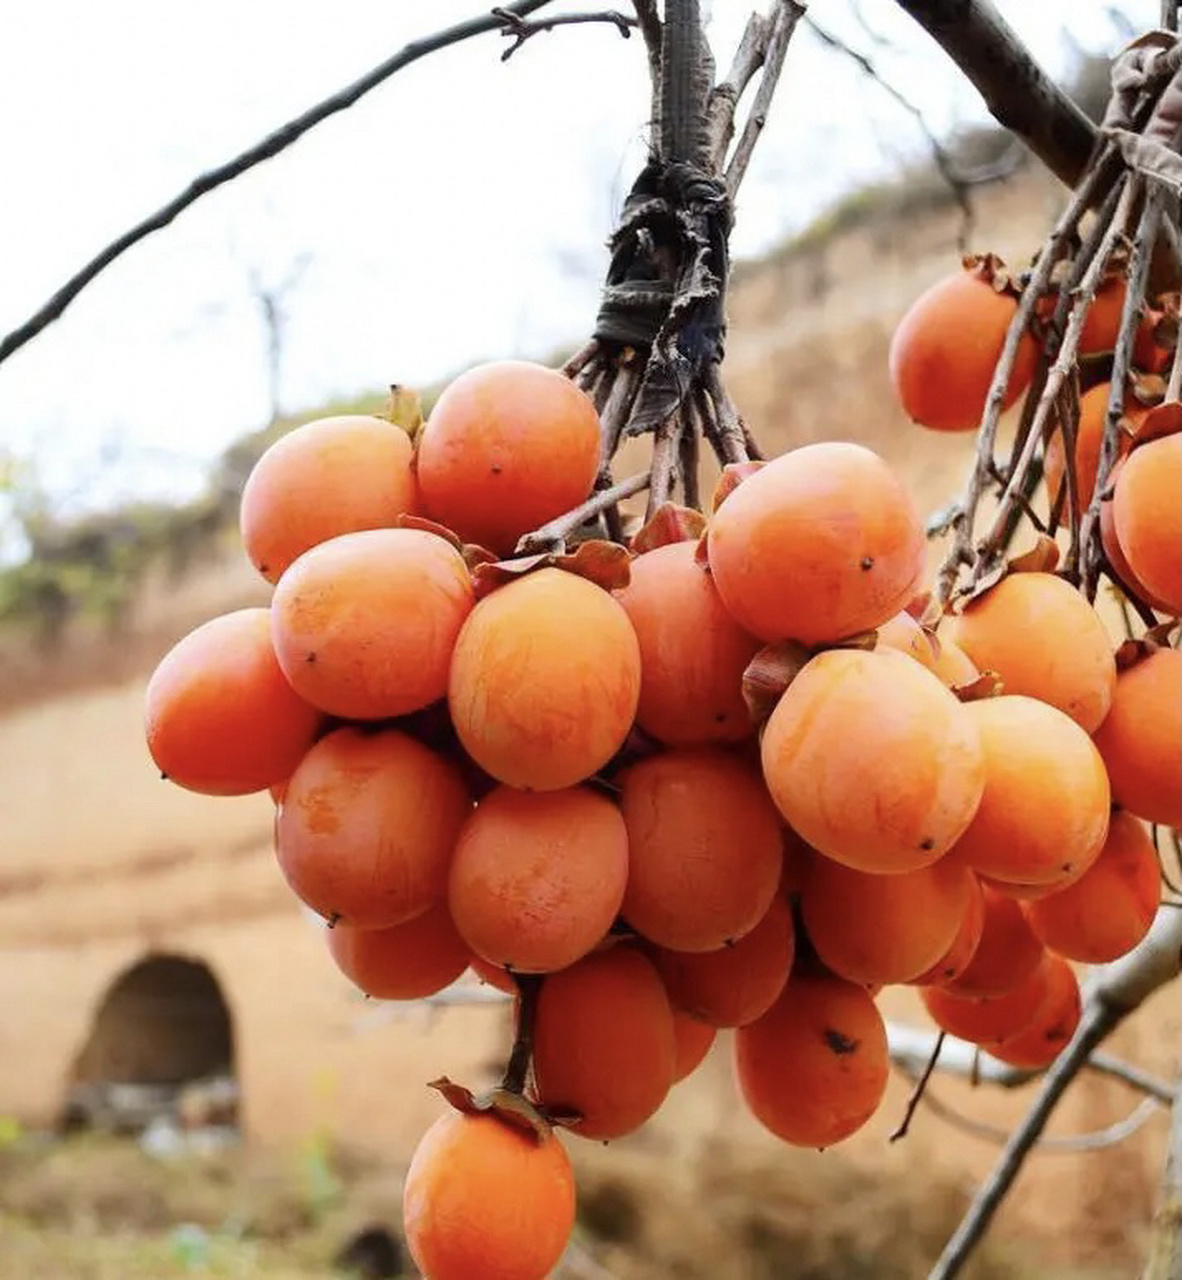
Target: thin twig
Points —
{"points": [[918, 1091], [559, 529], [663, 469], [784, 23], [275, 142], [731, 436], [581, 358], [724, 97], [687, 455], [521, 30], [529, 987]]}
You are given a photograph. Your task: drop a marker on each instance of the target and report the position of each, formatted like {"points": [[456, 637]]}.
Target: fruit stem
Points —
{"points": [[529, 986]]}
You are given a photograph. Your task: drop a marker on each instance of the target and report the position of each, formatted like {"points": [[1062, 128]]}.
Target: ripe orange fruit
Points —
{"points": [[1043, 816], [1106, 912], [1147, 512], [903, 633], [954, 667], [1044, 640], [987, 1020], [1039, 1042], [484, 1198], [604, 1043], [537, 877], [964, 946], [1089, 436], [737, 984], [1006, 953], [1141, 739], [820, 543], [544, 681], [364, 625], [814, 1068], [1115, 553], [944, 350], [873, 761], [883, 928], [508, 446], [705, 852], [219, 716], [694, 1039], [367, 828], [405, 962], [492, 975], [332, 476], [692, 652]]}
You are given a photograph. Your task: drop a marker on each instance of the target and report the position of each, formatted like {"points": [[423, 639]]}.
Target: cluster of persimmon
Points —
{"points": [[610, 782]]}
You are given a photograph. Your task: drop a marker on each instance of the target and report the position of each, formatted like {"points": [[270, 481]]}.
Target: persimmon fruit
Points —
{"points": [[1147, 513], [404, 962]]}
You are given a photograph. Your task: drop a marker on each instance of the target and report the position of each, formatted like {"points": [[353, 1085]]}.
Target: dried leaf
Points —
{"points": [[1164, 420], [1149, 156], [987, 685], [989, 579], [733, 475], [503, 1103], [669, 523], [866, 640], [430, 526], [405, 409], [768, 674], [919, 605], [1043, 557], [607, 564], [702, 551], [1133, 651], [1147, 388], [993, 271]]}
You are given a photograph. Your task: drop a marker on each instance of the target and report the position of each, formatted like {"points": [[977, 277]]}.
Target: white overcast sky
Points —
{"points": [[456, 213]]}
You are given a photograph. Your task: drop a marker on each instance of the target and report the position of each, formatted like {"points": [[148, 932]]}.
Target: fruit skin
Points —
{"points": [[964, 946], [484, 1200], [1147, 513], [332, 476], [988, 1020], [820, 543], [604, 1043], [1093, 411], [406, 962], [693, 1040], [944, 350], [508, 446], [814, 1068], [705, 848], [1114, 552], [219, 716], [1105, 913], [1054, 1022], [692, 652], [544, 680], [1006, 954], [537, 878], [1141, 738], [364, 625], [1044, 640], [873, 761], [1043, 816], [367, 828]]}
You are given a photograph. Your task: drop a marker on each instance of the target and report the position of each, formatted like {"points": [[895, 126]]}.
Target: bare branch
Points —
{"points": [[521, 30], [1117, 990], [921, 1085], [270, 146], [1019, 94], [788, 14], [558, 530], [724, 97]]}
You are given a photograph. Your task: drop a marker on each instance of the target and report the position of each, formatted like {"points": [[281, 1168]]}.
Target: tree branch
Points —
{"points": [[1019, 94], [521, 30], [279, 140]]}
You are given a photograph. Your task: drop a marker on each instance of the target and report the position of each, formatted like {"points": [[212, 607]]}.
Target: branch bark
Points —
{"points": [[275, 142], [1018, 92]]}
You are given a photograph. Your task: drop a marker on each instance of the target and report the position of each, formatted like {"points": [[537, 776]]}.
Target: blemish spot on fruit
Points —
{"points": [[840, 1044], [310, 658], [495, 469], [927, 843], [867, 562]]}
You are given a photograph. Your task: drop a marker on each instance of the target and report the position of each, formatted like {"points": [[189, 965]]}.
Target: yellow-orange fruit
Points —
{"points": [[820, 543], [883, 928], [1141, 738], [1038, 1044], [797, 859], [537, 877], [328, 477], [1044, 812], [220, 717], [1147, 511], [364, 625], [604, 1043], [508, 446], [492, 975], [944, 350], [1114, 553], [405, 962], [705, 853], [1101, 327], [1105, 913], [1006, 953], [1044, 640], [367, 828], [903, 633], [693, 1039], [544, 681], [964, 946], [737, 984], [814, 1068], [1093, 411], [484, 1198], [873, 761], [692, 652], [987, 1020], [953, 665]]}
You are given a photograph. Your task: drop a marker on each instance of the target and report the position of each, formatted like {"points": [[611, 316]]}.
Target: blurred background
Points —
{"points": [[187, 1085]]}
